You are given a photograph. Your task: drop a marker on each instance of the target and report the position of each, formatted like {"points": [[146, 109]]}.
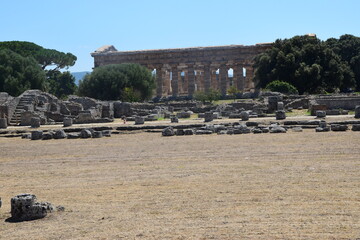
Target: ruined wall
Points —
{"points": [[339, 102]]}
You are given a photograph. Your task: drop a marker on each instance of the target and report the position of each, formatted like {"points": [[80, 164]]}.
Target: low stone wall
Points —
{"points": [[338, 102]]}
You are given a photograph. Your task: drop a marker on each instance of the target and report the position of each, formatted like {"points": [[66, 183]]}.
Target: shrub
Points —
{"points": [[282, 87], [210, 96]]}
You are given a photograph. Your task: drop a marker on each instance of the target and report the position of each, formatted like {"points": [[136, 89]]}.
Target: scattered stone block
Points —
{"points": [[36, 135], [174, 119], [272, 103], [277, 129], [216, 115], [265, 130], [67, 122], [167, 132], [355, 127], [317, 107], [184, 114], [297, 129], [209, 117], [60, 134], [218, 128], [320, 114], [180, 132], [106, 133], [201, 132], [257, 131], [85, 133], [280, 115], [139, 120], [189, 132], [24, 207], [222, 132], [241, 129], [47, 136], [35, 122], [323, 124], [26, 136], [280, 106], [244, 116], [339, 128], [3, 123], [357, 111], [322, 129], [73, 135], [97, 134], [291, 123], [252, 124]]}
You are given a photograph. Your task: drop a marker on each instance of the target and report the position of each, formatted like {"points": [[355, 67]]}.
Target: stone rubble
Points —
{"points": [[24, 207]]}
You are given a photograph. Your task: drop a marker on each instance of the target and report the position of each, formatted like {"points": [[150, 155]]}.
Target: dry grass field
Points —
{"points": [[144, 186]]}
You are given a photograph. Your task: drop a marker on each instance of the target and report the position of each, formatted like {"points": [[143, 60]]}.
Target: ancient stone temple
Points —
{"points": [[183, 71]]}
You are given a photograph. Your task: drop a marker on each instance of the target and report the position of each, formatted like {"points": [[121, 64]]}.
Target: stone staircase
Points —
{"points": [[25, 101]]}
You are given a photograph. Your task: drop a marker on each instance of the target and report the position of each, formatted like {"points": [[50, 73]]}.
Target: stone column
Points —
{"points": [[249, 77], [238, 77], [207, 78], [223, 79], [191, 80], [166, 82], [213, 80], [174, 82], [159, 82]]}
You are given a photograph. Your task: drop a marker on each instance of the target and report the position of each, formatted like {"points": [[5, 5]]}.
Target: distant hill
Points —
{"points": [[78, 76]]}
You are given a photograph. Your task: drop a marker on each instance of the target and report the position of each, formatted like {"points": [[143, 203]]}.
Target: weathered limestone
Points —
{"points": [[209, 117], [244, 116], [47, 136], [183, 114], [356, 127], [67, 122], [35, 122], [339, 127], [167, 132], [85, 133], [3, 123], [273, 103], [139, 120], [280, 115], [59, 134], [36, 135], [320, 114], [97, 134], [174, 119], [24, 207], [204, 60], [277, 129], [357, 111]]}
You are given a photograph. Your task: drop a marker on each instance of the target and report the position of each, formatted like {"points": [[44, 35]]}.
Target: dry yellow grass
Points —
{"points": [[144, 186]]}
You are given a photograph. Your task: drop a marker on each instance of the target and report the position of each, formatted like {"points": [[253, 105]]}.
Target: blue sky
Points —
{"points": [[80, 26]]}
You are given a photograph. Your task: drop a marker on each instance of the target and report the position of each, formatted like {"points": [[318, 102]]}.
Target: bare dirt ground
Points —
{"points": [[144, 186]]}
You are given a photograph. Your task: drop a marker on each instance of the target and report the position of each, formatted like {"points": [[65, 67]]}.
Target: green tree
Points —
{"points": [[61, 84], [50, 61], [118, 82], [305, 62], [18, 73], [45, 57], [348, 48]]}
